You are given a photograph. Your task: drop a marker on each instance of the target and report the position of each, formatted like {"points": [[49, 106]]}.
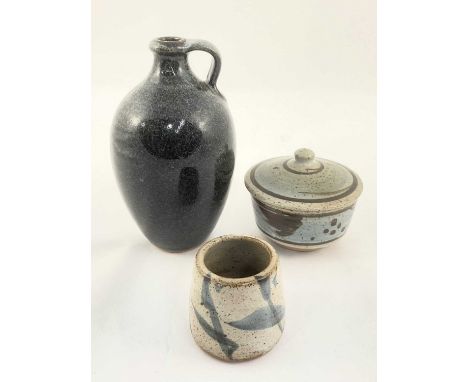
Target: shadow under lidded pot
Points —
{"points": [[237, 310], [173, 148], [303, 203]]}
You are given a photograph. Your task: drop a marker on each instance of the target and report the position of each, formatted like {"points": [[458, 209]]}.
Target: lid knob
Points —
{"points": [[304, 162], [304, 155]]}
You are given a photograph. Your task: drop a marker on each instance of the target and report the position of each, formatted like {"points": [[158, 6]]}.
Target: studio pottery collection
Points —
{"points": [[174, 153]]}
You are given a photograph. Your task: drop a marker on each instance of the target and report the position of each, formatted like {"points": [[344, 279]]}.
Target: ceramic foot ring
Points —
{"points": [[237, 308]]}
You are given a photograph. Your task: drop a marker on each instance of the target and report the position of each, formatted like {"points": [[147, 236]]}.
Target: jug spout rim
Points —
{"points": [[169, 44]]}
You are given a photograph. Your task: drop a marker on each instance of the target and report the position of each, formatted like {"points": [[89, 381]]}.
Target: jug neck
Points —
{"points": [[170, 66], [170, 59]]}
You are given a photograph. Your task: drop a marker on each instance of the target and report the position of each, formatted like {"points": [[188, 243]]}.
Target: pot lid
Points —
{"points": [[303, 183]]}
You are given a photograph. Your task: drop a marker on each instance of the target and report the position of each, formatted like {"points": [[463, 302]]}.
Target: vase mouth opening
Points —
{"points": [[168, 44], [170, 39], [236, 260]]}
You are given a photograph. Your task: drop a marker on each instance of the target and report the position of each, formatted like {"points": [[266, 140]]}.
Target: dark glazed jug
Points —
{"points": [[173, 148]]}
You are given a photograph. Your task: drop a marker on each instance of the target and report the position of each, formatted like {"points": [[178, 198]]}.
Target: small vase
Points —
{"points": [[237, 308], [173, 148]]}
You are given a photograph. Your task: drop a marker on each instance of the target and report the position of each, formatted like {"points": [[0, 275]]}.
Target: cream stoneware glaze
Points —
{"points": [[303, 202], [237, 308]]}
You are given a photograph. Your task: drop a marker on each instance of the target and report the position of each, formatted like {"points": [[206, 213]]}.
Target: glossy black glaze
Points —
{"points": [[173, 148]]}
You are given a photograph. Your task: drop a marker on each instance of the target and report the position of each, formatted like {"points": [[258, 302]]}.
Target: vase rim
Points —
{"points": [[169, 44], [267, 271]]}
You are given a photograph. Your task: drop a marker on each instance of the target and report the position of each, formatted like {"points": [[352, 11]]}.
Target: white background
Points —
{"points": [[46, 174], [297, 74]]}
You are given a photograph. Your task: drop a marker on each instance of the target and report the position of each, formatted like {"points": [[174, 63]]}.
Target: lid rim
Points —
{"points": [[316, 214], [303, 208], [349, 191]]}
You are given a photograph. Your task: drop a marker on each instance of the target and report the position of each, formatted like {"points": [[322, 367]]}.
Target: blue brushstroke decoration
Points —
{"points": [[228, 346], [216, 332], [262, 318], [275, 281], [265, 289]]}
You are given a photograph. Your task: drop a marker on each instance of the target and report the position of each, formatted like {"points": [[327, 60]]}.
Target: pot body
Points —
{"points": [[236, 318], [173, 149], [302, 232], [303, 202]]}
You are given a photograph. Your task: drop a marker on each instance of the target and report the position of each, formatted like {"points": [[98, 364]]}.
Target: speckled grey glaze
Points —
{"points": [[303, 203], [236, 302], [173, 148]]}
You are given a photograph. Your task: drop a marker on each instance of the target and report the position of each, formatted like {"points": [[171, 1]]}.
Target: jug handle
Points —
{"points": [[208, 47]]}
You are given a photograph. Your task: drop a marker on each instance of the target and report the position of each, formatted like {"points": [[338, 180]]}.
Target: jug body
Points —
{"points": [[173, 148]]}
